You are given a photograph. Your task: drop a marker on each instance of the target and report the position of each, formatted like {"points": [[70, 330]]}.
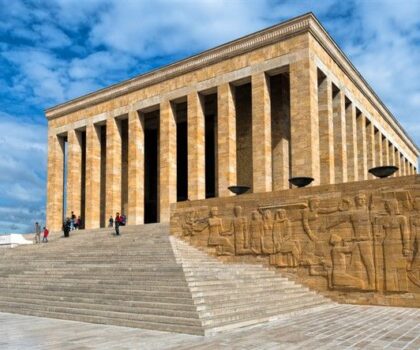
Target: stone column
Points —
{"points": [[340, 144], [361, 147], [370, 147], [304, 128], [55, 186], [391, 153], [167, 160], [135, 169], [93, 177], [351, 135], [262, 171], [378, 149], [398, 162], [113, 168], [392, 160], [196, 147], [280, 131], [226, 140], [74, 173], [385, 151], [326, 132]]}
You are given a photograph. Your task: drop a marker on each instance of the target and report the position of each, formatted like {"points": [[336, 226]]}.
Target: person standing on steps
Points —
{"points": [[117, 223], [45, 238], [37, 233], [79, 223], [123, 219], [67, 227], [73, 221]]}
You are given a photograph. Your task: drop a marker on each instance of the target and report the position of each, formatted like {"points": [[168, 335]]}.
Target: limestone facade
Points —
{"points": [[279, 103]]}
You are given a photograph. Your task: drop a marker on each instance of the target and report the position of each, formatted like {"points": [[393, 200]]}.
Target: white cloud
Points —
{"points": [[52, 36], [172, 27], [22, 172]]}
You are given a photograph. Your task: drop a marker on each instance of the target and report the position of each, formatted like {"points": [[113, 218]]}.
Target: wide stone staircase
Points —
{"points": [[146, 279]]}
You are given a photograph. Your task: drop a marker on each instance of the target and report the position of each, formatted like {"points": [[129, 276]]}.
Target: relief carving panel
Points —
{"points": [[365, 242]]}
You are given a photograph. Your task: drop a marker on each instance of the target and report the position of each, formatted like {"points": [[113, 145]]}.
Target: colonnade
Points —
{"points": [[318, 131], [350, 141]]}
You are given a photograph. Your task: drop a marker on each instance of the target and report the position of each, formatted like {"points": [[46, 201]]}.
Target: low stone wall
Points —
{"points": [[356, 242]]}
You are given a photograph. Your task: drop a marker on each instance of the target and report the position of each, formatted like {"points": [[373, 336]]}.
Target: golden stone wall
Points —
{"points": [[336, 126], [356, 242]]}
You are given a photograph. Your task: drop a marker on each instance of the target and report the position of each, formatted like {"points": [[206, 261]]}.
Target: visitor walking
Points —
{"points": [[67, 227], [123, 219], [111, 222], [45, 238], [117, 223], [72, 221], [37, 233], [79, 223]]}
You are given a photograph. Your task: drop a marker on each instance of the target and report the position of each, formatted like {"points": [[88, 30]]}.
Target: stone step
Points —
{"points": [[215, 329], [244, 304], [220, 305], [122, 290], [141, 310], [255, 290], [106, 294], [177, 304], [235, 317], [144, 285], [122, 321], [178, 286], [147, 278], [108, 314]]}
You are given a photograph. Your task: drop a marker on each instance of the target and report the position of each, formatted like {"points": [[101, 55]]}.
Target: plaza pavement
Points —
{"points": [[341, 327]]}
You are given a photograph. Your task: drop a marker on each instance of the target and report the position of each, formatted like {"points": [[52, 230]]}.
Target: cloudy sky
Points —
{"points": [[53, 51]]}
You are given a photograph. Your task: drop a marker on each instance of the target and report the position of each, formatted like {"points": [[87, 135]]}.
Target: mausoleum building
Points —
{"points": [[279, 103]]}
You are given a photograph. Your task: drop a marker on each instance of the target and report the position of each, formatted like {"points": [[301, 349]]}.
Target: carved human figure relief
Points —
{"points": [[340, 277], [267, 237], [310, 219], [240, 230], [392, 232], [286, 248], [362, 237], [312, 249], [189, 226], [217, 234], [414, 266], [256, 228]]}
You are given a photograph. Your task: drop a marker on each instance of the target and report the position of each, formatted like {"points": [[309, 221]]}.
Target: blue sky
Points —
{"points": [[52, 51]]}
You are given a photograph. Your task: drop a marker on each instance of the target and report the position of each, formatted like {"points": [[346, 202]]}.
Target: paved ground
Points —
{"points": [[342, 327]]}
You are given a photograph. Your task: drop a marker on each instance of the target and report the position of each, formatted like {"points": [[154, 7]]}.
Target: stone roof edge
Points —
{"points": [[295, 26], [328, 43], [233, 48]]}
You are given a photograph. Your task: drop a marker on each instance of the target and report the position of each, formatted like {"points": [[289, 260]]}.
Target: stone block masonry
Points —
{"points": [[355, 242], [289, 103]]}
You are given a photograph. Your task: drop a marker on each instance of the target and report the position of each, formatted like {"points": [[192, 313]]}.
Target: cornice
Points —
{"points": [[339, 57], [302, 24], [245, 44]]}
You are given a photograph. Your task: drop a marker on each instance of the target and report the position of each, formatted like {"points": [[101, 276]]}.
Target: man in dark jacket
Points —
{"points": [[117, 223]]}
